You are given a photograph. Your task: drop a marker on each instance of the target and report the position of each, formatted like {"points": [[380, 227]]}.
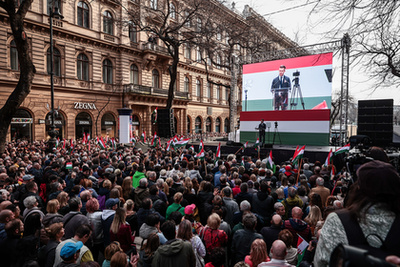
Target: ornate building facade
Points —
{"points": [[102, 63]]}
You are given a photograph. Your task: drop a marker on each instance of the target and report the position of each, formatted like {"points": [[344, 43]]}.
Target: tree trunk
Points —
{"points": [[27, 71], [173, 72]]}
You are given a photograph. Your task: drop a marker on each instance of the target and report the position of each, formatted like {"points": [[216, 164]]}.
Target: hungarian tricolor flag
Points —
{"points": [[302, 245], [113, 142], [88, 137], [270, 162], [218, 154], [170, 144], [84, 139], [101, 143], [154, 138], [328, 158], [71, 146], [242, 162], [343, 149], [298, 154], [257, 143], [181, 143], [245, 146], [143, 136], [201, 154], [155, 115], [68, 165], [201, 146], [64, 143], [191, 148]]}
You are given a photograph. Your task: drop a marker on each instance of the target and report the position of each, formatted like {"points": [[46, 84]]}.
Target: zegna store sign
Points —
{"points": [[80, 105]]}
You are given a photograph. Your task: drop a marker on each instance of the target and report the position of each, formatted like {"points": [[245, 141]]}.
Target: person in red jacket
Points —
{"points": [[121, 231]]}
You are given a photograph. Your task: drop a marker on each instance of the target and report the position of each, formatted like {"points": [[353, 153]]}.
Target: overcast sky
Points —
{"points": [[293, 21]]}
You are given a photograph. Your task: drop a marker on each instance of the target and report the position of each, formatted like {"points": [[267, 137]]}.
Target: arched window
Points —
{"points": [[132, 32], [208, 125], [134, 74], [14, 56], [108, 125], [82, 67], [197, 125], [218, 125], [107, 71], [83, 14], [21, 125], [56, 62], [226, 126], [172, 10], [108, 22], [83, 125], [156, 78], [186, 84], [198, 87], [209, 87]]}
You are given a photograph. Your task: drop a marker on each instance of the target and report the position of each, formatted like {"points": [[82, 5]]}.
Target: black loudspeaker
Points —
{"points": [[375, 120], [165, 122]]}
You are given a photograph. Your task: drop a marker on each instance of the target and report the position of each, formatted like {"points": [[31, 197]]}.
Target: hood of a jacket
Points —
{"points": [[50, 216], [146, 230], [171, 249], [107, 213]]}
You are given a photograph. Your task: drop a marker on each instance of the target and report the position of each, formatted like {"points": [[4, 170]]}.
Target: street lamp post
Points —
{"points": [[52, 133]]}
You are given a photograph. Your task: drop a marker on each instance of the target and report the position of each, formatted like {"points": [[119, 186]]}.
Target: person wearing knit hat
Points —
{"points": [[372, 210]]}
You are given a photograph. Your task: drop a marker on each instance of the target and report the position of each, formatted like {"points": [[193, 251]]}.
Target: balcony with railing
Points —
{"points": [[152, 91]]}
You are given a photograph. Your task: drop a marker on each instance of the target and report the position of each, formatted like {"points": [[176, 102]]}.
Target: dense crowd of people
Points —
{"points": [[124, 206]]}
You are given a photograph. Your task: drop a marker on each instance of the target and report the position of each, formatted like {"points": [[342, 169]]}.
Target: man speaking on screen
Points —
{"points": [[280, 88]]}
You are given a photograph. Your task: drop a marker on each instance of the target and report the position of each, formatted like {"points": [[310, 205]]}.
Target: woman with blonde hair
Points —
{"points": [[131, 216], [212, 236], [52, 215], [258, 253], [313, 217], [63, 201], [121, 231]]}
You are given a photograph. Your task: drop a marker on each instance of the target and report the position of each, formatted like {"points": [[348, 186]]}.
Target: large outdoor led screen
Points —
{"points": [[300, 83]]}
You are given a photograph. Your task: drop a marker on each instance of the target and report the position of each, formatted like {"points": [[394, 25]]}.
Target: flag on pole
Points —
{"points": [[242, 162], [154, 138], [257, 143], [218, 154], [113, 142], [201, 154], [155, 115], [301, 247], [181, 143], [201, 146], [170, 144], [245, 146], [143, 136], [343, 149], [191, 148], [328, 158], [71, 147], [270, 162], [101, 143], [88, 137], [298, 154], [84, 139], [64, 143]]}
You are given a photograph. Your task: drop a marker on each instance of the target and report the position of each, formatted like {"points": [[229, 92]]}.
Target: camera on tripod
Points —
{"points": [[296, 73], [276, 124]]}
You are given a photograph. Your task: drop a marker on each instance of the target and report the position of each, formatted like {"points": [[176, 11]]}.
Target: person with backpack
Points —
{"points": [[371, 217], [292, 201]]}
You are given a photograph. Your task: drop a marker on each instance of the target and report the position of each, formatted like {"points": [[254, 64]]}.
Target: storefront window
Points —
{"points": [[83, 124], [21, 125], [108, 125]]}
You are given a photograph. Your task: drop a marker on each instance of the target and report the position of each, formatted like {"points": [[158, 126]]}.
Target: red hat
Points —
{"points": [[189, 209]]}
